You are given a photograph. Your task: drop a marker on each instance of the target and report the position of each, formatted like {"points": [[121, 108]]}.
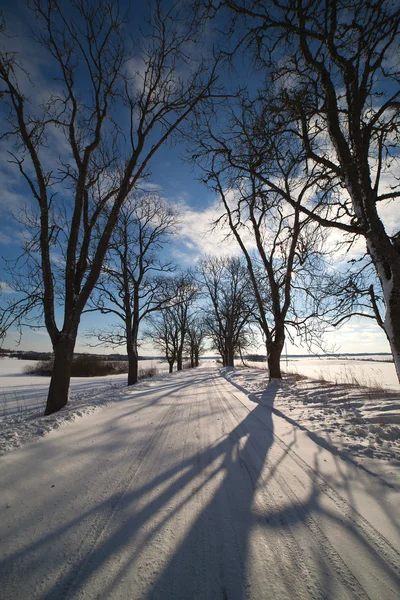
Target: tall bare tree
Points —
{"points": [[254, 175], [73, 149], [133, 283], [168, 328], [232, 304], [283, 269], [333, 74], [162, 331], [196, 334], [186, 293]]}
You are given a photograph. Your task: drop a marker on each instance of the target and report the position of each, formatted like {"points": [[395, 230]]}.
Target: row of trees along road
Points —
{"points": [[177, 328], [133, 282], [328, 76], [313, 145], [86, 139], [284, 249]]}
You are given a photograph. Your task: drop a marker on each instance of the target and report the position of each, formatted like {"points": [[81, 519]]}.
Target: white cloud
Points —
{"points": [[149, 186], [390, 215], [199, 235], [10, 235], [5, 239], [5, 288], [359, 333]]}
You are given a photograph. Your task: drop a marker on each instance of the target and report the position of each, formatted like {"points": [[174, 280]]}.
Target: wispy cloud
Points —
{"points": [[199, 235], [149, 186], [5, 288], [11, 236]]}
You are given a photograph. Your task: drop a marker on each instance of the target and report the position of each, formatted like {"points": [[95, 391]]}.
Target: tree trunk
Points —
{"points": [[196, 358], [171, 365], [385, 255], [58, 393], [131, 329], [389, 276], [230, 354], [133, 366], [384, 251], [179, 362], [274, 351]]}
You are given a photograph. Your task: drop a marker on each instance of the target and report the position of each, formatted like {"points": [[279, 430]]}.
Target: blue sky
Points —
{"points": [[176, 181]]}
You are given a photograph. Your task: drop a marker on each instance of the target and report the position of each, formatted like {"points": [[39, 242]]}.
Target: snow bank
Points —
{"points": [[355, 422]]}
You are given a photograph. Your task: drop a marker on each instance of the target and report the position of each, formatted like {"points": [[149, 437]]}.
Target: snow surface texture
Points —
{"points": [[187, 489], [355, 422], [374, 371], [29, 424], [20, 392]]}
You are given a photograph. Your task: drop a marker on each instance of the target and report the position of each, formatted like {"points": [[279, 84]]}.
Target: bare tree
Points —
{"points": [[186, 293], [132, 284], [168, 328], [163, 333], [352, 291], [335, 84], [196, 334], [232, 304], [283, 247], [285, 269], [76, 161]]}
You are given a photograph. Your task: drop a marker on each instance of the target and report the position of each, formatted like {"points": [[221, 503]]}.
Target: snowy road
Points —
{"points": [[189, 490]]}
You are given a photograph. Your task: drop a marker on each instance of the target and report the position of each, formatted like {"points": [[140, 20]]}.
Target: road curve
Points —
{"points": [[182, 491]]}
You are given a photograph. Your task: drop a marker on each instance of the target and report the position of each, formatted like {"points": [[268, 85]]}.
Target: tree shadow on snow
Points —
{"points": [[186, 549]]}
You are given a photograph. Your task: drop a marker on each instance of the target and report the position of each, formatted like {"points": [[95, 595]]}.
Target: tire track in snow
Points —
{"points": [[195, 568], [68, 578], [283, 547], [381, 544], [376, 540], [284, 555], [179, 509], [228, 511]]}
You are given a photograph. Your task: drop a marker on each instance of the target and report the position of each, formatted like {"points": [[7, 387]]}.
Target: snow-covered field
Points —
{"points": [[356, 423], [371, 371], [20, 392], [16, 429]]}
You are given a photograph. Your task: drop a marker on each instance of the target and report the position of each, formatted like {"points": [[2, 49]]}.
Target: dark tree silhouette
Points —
{"points": [[77, 163], [196, 334], [332, 78], [132, 284], [263, 188], [163, 333], [231, 304]]}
